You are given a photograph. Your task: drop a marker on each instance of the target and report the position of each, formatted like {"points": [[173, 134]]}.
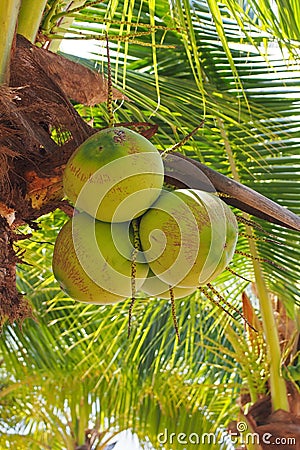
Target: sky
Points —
{"points": [[80, 48], [126, 440]]}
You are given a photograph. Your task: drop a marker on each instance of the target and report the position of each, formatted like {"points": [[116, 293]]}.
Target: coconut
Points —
{"points": [[231, 238], [115, 175], [89, 266], [154, 287], [188, 237]]}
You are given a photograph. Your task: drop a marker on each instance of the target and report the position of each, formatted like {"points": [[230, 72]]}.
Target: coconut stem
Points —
{"points": [[64, 19], [30, 18], [109, 87], [222, 299], [133, 288], [251, 223], [130, 316], [257, 258], [237, 274], [136, 248], [260, 238], [172, 298], [184, 140], [9, 11]]}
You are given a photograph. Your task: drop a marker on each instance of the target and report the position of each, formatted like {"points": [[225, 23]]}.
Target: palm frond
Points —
{"points": [[74, 365]]}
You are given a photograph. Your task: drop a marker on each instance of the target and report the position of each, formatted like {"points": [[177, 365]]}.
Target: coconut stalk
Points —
{"points": [[279, 394], [30, 17], [277, 382], [9, 11], [63, 21]]}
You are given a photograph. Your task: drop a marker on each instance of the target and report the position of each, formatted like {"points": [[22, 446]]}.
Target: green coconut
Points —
{"points": [[154, 287], [115, 175], [185, 237], [89, 265], [231, 238]]}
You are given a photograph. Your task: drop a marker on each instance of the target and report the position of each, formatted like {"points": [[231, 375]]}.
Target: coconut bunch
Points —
{"points": [[131, 234]]}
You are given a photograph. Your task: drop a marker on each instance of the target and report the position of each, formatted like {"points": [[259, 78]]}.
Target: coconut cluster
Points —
{"points": [[128, 227]]}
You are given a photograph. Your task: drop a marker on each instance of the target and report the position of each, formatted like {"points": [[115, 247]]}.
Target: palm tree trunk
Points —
{"points": [[9, 11]]}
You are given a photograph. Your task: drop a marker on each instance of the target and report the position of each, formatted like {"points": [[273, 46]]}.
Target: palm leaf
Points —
{"points": [[176, 73]]}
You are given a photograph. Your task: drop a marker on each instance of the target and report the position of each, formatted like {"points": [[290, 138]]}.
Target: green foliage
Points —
{"points": [[73, 366]]}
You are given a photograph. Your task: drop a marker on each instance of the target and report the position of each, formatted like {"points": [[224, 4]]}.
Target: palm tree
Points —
{"points": [[72, 368]]}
